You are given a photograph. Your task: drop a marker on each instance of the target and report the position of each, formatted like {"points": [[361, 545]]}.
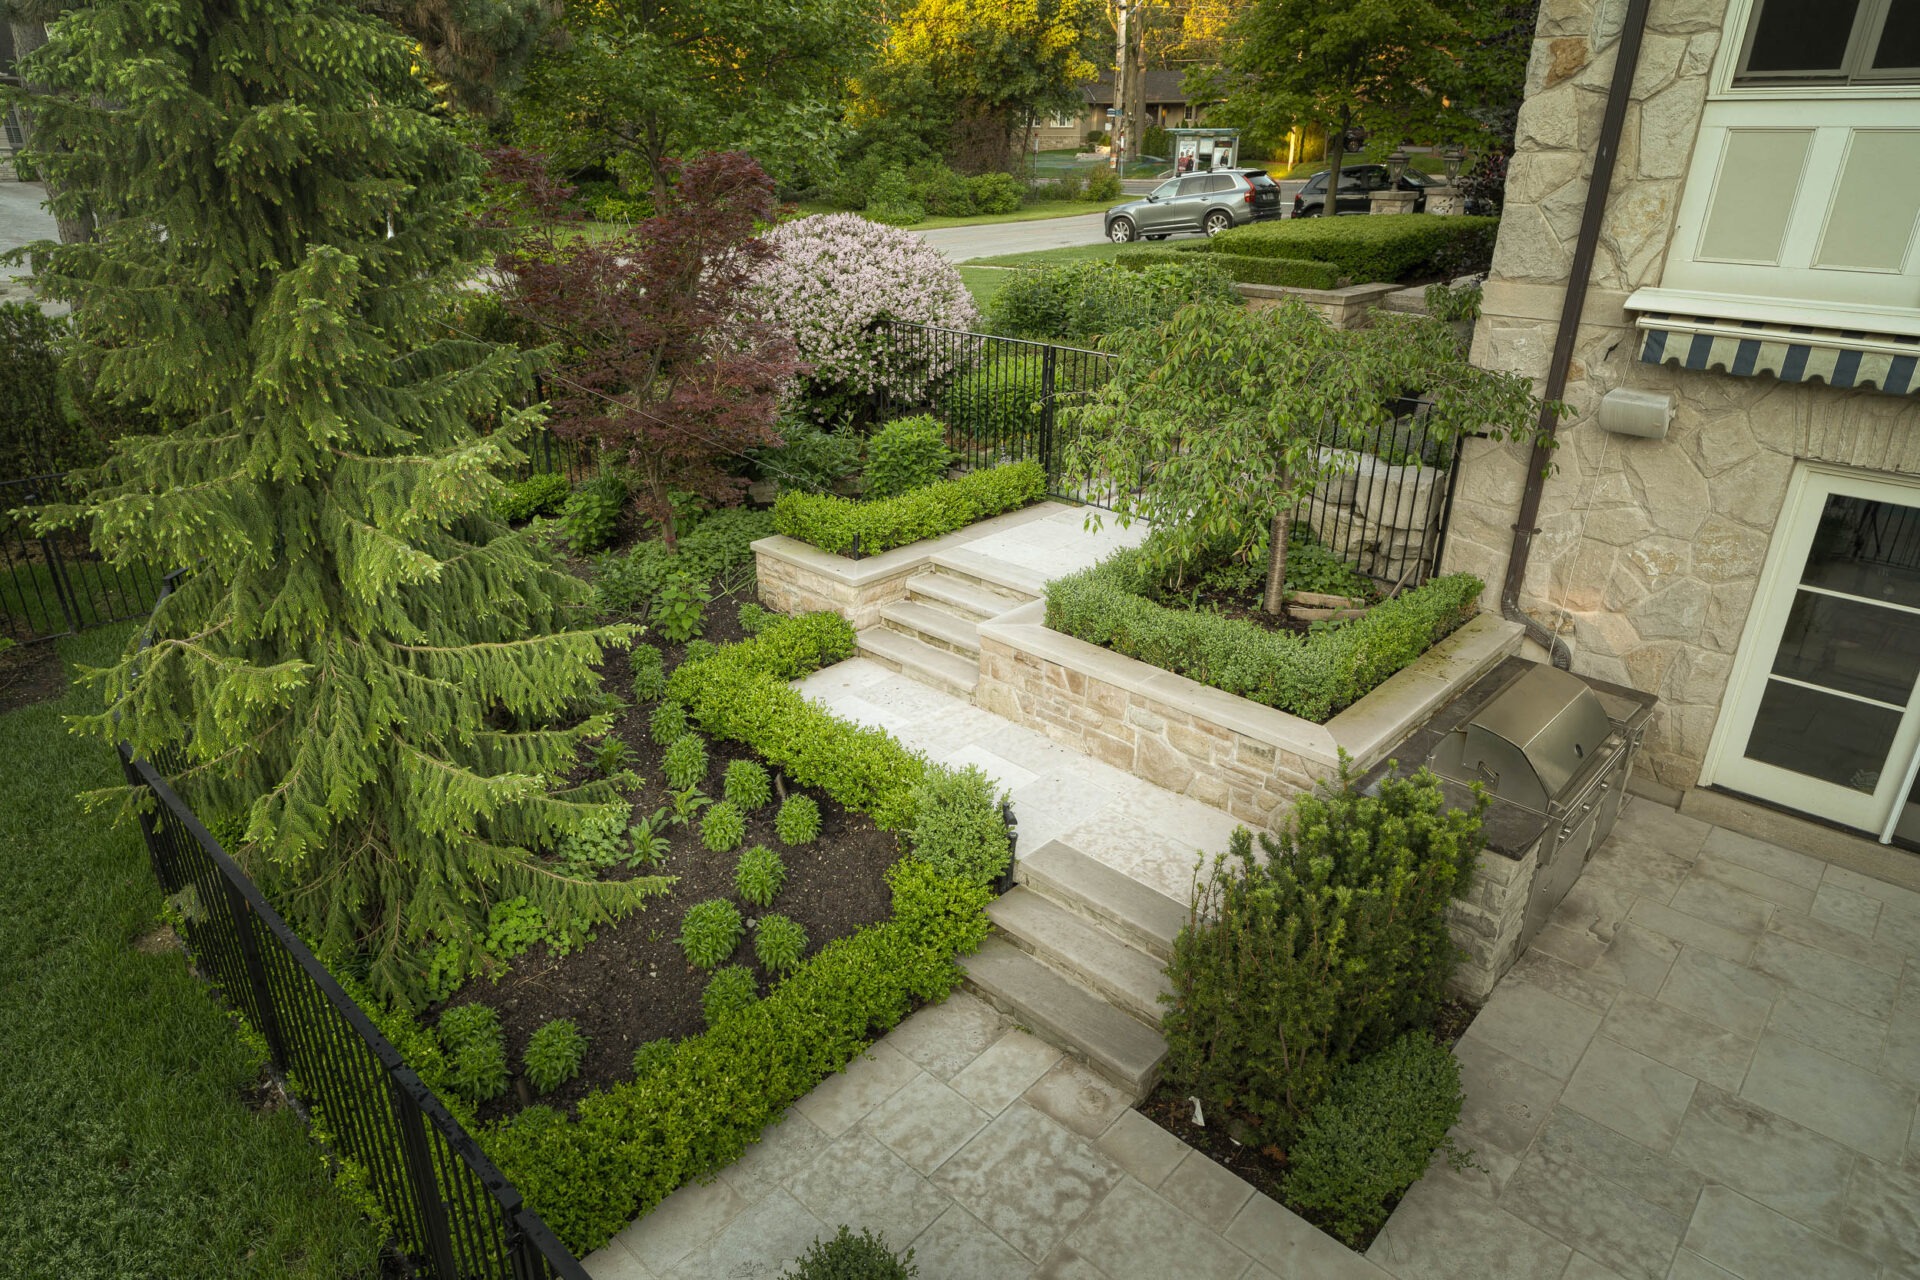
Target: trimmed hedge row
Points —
{"points": [[1389, 247], [1295, 273], [833, 523], [1312, 676], [699, 1104]]}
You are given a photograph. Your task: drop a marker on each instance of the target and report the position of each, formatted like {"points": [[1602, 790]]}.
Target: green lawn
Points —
{"points": [[1052, 257], [126, 1150], [983, 283]]}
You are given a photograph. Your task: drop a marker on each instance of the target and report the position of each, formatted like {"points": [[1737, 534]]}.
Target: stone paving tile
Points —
{"points": [[1637, 959], [1142, 1148], [1581, 1267], [1065, 1264], [1845, 909], [842, 1101], [1839, 1030], [1900, 1060], [1824, 974], [1139, 851], [1720, 991], [1769, 859], [1054, 804], [1506, 1104], [1882, 1216], [1644, 871], [1006, 775], [784, 1149], [1569, 982], [925, 1123], [1808, 931], [1028, 1178], [1287, 1245], [1594, 1214], [1899, 929], [1682, 1041], [1665, 1180], [1766, 1157], [1891, 895], [1539, 1029], [1007, 1068], [1754, 1242], [1688, 1265], [1709, 898], [1576, 947], [1630, 1093], [1731, 944], [1818, 1090], [1138, 1235], [942, 1038], [1594, 907], [614, 1263], [958, 1246], [1078, 1098], [681, 1223], [1444, 1230], [1645, 822], [1206, 1190], [859, 1182], [759, 1243]]}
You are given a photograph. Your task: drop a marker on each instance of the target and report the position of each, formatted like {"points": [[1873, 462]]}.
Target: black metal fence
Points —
{"points": [[1383, 505], [452, 1213], [54, 584]]}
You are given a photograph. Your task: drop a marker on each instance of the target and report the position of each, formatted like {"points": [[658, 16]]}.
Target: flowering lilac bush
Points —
{"points": [[833, 275]]}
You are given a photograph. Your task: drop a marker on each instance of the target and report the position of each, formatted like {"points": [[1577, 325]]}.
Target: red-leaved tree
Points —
{"points": [[660, 362]]}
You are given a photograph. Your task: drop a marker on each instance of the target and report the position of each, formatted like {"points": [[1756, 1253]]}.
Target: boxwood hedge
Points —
{"points": [[833, 523], [1365, 250]]}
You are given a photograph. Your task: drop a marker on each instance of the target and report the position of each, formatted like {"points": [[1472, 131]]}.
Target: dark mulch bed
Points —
{"points": [[1264, 1167], [632, 983], [30, 673]]}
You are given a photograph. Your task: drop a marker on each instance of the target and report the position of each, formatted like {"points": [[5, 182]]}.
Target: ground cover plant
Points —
{"points": [[111, 1123], [841, 525]]}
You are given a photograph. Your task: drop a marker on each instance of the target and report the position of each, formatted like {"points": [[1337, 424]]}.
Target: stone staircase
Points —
{"points": [[1077, 958], [933, 634]]}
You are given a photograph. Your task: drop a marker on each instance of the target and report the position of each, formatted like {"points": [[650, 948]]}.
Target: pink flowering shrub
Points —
{"points": [[833, 275]]}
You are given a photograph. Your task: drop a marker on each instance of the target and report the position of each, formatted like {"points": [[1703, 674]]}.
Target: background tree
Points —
{"points": [[477, 48], [1403, 70], [1214, 425], [364, 670], [978, 72], [663, 366], [640, 82]]}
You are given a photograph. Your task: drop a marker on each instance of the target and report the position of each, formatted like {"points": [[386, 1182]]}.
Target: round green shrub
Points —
{"points": [[957, 825], [753, 618], [698, 651], [649, 673], [779, 943], [907, 454], [850, 1257], [476, 1051], [758, 875], [685, 762], [724, 827], [553, 1055], [651, 1056], [710, 931], [798, 821], [732, 987], [747, 785], [668, 723]]}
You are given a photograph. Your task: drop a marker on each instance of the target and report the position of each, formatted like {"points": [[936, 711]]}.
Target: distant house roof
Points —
{"points": [[1163, 87]]}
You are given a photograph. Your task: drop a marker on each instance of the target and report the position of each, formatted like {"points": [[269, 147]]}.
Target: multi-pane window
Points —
{"points": [[1790, 42]]}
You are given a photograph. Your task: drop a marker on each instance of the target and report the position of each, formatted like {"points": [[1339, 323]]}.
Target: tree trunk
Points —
{"points": [[27, 37], [1336, 155], [1274, 598]]}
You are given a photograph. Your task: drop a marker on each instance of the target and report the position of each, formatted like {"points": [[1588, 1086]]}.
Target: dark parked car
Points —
{"points": [[1358, 182], [1209, 202]]}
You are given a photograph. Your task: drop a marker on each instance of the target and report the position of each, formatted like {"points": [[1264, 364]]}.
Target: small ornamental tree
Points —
{"points": [[1215, 424], [363, 667], [663, 366]]}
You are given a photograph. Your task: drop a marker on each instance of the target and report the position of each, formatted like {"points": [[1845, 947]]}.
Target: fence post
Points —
{"points": [[426, 1187], [62, 588], [242, 916], [164, 872], [1049, 352], [885, 365]]}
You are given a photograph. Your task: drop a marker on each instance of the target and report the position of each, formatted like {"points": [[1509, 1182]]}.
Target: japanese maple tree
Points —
{"points": [[661, 365]]}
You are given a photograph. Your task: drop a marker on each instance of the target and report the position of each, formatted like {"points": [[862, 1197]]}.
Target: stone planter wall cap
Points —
{"points": [[857, 573], [1348, 295]]}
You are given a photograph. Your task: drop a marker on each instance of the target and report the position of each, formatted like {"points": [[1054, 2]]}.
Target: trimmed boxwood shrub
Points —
{"points": [[1374, 1134], [1295, 273], [1390, 247], [1313, 676], [833, 523], [904, 455], [850, 1257], [957, 825]]}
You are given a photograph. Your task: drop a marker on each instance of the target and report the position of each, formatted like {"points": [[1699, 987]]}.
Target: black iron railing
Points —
{"points": [[54, 584]]}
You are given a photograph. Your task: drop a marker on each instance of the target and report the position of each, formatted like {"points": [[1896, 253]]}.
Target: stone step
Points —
{"points": [[1081, 949], [967, 596], [1066, 1014], [1142, 916], [933, 625], [941, 668]]}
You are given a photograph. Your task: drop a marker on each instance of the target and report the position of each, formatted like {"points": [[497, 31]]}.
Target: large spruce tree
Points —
{"points": [[365, 670]]}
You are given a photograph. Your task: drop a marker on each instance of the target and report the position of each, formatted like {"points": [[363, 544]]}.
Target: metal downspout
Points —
{"points": [[1626, 62]]}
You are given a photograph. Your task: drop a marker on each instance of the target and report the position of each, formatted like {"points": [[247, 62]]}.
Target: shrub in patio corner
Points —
{"points": [[958, 828], [850, 1257], [1374, 1134], [832, 523], [906, 454]]}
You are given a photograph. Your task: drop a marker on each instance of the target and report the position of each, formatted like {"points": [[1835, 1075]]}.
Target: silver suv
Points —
{"points": [[1209, 202]]}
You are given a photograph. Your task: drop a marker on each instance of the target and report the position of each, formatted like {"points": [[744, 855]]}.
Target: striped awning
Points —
{"points": [[1885, 362]]}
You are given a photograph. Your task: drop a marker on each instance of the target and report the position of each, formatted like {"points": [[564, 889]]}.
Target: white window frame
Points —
{"points": [[1733, 54], [1869, 21]]}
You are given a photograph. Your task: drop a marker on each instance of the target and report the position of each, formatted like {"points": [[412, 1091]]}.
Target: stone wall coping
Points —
{"points": [[1347, 296], [1364, 731], [860, 573]]}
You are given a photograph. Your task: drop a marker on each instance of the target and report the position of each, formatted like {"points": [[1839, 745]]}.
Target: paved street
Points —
{"points": [[961, 243], [22, 221]]}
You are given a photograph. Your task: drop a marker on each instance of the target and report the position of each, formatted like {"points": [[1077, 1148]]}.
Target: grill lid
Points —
{"points": [[1530, 741]]}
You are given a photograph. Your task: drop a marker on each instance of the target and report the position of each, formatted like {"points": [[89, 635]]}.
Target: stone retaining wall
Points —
{"points": [[1486, 921], [1348, 308]]}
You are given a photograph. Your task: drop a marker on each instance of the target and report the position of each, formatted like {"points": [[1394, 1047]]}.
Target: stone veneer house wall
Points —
{"points": [[1745, 203]]}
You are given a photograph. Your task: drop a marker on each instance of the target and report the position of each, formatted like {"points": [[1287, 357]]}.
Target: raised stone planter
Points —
{"points": [[1239, 756], [1348, 308]]}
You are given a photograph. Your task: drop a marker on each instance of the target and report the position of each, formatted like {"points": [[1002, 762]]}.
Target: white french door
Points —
{"points": [[1822, 713]]}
